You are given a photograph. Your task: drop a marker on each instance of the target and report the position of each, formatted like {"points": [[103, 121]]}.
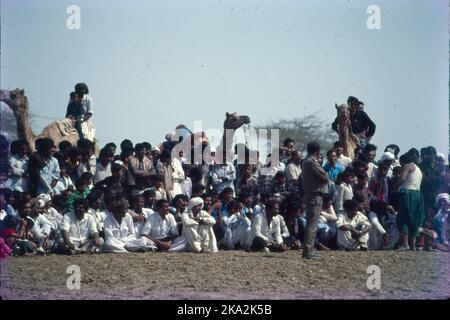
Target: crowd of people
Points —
{"points": [[66, 200]]}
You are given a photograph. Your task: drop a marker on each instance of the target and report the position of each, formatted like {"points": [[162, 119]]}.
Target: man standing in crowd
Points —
{"points": [[314, 181]]}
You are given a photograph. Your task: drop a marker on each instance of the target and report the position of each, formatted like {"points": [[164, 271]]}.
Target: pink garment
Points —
{"points": [[4, 249]]}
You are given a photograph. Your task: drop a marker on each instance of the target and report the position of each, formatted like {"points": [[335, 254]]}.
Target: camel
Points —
{"points": [[62, 130], [199, 140], [232, 122], [347, 138]]}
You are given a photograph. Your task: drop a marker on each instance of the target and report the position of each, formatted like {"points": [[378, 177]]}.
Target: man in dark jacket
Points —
{"points": [[362, 126]]}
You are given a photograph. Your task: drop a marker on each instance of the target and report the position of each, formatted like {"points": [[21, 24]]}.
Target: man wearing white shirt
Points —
{"points": [[85, 123], [353, 228], [88, 160], [384, 234], [345, 190], [139, 214], [18, 162], [95, 199], [64, 183], [266, 230], [294, 169], [103, 166], [223, 176], [369, 153], [341, 158], [79, 231], [161, 227], [120, 235]]}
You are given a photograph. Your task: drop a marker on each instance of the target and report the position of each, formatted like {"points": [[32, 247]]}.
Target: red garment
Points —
{"points": [[4, 249], [6, 233]]}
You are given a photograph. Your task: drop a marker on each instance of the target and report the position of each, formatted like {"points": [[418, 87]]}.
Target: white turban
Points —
{"points": [[40, 203], [441, 196], [44, 197], [194, 202], [387, 156]]}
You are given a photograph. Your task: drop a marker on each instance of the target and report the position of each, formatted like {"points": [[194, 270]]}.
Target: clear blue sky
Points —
{"points": [[151, 65]]}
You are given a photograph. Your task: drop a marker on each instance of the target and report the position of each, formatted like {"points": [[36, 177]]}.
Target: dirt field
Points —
{"points": [[229, 275]]}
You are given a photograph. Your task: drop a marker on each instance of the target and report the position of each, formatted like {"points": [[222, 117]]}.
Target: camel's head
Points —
{"points": [[234, 121], [343, 113], [15, 99]]}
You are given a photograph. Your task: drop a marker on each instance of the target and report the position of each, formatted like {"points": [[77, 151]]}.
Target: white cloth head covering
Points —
{"points": [[30, 219], [156, 148], [44, 197], [440, 155], [441, 196], [388, 156], [40, 203], [120, 163], [194, 202]]}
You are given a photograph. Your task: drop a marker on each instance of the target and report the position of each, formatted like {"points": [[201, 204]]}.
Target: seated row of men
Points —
{"points": [[196, 225]]}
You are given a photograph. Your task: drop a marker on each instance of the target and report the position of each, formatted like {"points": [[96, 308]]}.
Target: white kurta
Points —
{"points": [[99, 217], [261, 228], [240, 228], [156, 227], [63, 184], [118, 236], [344, 238], [343, 192], [138, 226], [79, 230], [54, 217], [199, 236], [18, 166], [42, 227]]}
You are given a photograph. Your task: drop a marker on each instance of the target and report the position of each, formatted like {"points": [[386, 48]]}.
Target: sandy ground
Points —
{"points": [[229, 275]]}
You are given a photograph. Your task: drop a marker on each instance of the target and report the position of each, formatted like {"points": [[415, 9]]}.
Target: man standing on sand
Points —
{"points": [[314, 182]]}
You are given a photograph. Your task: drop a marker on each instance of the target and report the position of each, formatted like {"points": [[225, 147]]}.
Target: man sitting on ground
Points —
{"points": [[353, 228], [79, 231]]}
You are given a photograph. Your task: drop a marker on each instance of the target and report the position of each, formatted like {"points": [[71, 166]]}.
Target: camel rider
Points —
{"points": [[362, 126], [80, 108]]}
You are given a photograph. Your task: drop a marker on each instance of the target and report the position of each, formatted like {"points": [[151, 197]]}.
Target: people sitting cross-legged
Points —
{"points": [[326, 229], [266, 230], [384, 234], [238, 224], [198, 228], [139, 214], [79, 231], [120, 235], [353, 228], [160, 227]]}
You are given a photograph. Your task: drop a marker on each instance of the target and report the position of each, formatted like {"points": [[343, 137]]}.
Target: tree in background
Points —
{"points": [[304, 130]]}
